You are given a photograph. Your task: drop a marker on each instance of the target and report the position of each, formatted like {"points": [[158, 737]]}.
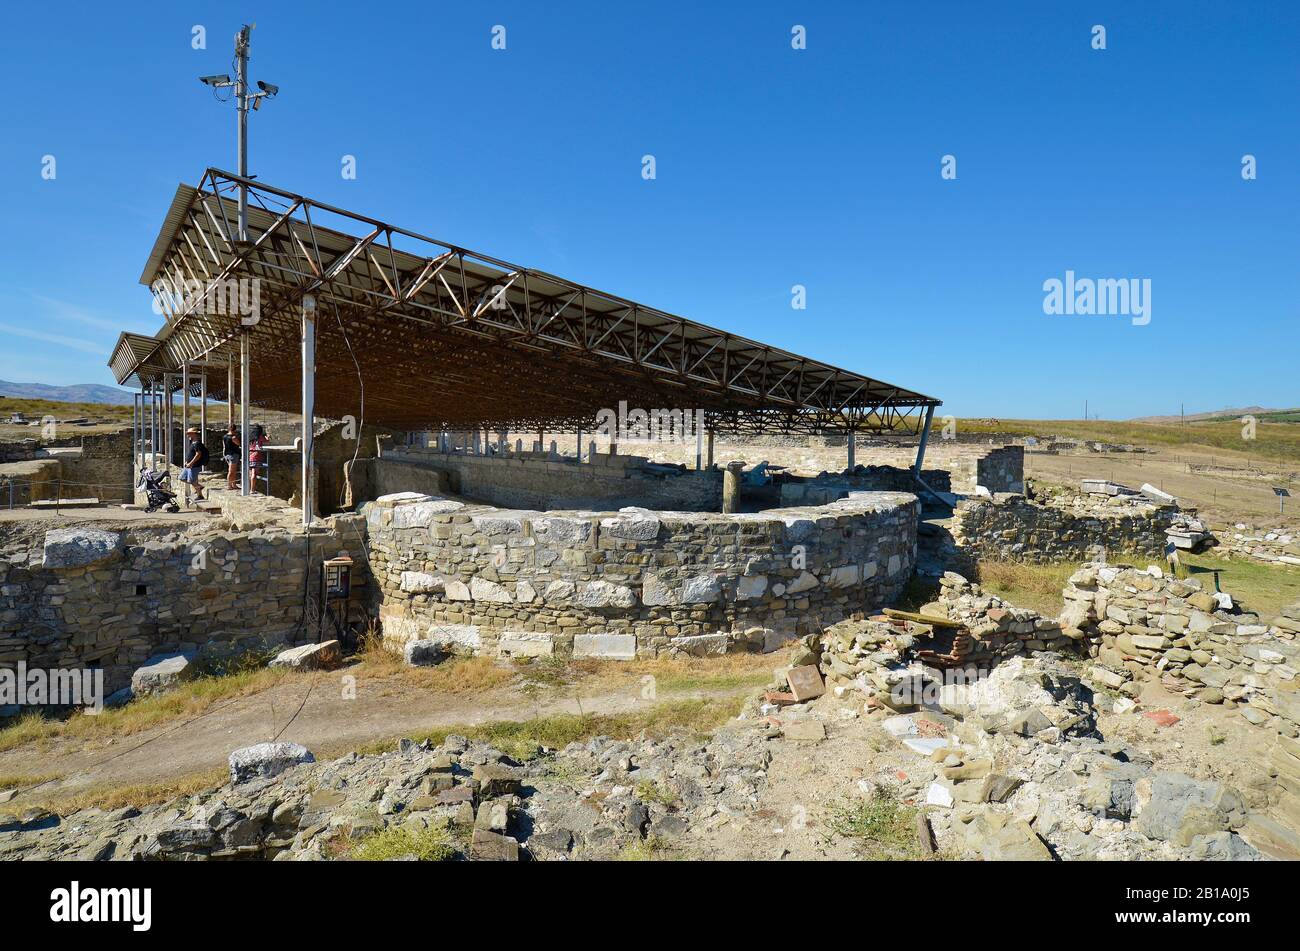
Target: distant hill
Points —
{"points": [[77, 393], [1259, 412]]}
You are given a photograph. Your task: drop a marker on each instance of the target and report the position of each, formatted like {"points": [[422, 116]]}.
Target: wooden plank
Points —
{"points": [[921, 618]]}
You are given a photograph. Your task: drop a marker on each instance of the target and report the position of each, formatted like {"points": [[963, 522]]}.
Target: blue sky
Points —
{"points": [[775, 167]]}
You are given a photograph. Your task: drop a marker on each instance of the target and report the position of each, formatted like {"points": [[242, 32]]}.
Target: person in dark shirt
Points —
{"points": [[196, 457], [230, 454]]}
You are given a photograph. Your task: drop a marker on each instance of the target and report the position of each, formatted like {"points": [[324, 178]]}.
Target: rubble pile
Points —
{"points": [[589, 800], [894, 654], [1277, 546], [1142, 624], [1010, 766]]}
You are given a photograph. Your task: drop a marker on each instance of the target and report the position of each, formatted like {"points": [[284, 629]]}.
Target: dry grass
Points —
{"points": [[108, 796], [24, 780], [1037, 587], [184, 702], [525, 739], [1276, 441]]}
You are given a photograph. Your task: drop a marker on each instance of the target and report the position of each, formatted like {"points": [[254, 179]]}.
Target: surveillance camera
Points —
{"points": [[269, 88], [219, 80]]}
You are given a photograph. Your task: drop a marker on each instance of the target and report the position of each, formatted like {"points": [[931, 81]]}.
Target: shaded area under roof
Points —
{"points": [[437, 335]]}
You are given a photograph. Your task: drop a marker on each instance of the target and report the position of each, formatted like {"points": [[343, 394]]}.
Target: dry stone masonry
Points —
{"points": [[632, 582], [1011, 527]]}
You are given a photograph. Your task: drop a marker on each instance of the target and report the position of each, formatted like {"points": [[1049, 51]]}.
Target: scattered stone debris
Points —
{"points": [[589, 800]]}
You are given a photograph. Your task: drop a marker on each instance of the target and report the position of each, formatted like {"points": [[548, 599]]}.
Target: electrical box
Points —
{"points": [[338, 577]]}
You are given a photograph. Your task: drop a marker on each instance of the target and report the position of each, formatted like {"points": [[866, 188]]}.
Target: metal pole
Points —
{"points": [[241, 110], [230, 389], [185, 401], [167, 414], [580, 444], [925, 438], [135, 434], [244, 484], [852, 441], [203, 405], [308, 401]]}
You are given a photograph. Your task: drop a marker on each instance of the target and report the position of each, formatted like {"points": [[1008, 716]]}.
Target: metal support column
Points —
{"points": [[135, 434], [853, 446], [168, 406], [308, 402], [925, 438], [230, 389], [185, 402], [245, 483], [203, 405]]}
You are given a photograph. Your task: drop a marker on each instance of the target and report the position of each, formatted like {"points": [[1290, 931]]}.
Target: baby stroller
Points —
{"points": [[157, 489]]}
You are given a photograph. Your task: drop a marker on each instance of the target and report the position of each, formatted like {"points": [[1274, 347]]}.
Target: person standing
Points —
{"points": [[256, 455], [230, 454], [196, 457]]}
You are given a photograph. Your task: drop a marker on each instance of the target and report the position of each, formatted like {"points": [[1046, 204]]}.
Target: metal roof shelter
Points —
{"points": [[410, 332], [447, 337]]}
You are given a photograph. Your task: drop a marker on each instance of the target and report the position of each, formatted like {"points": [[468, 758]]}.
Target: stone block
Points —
{"points": [[265, 760], [606, 646]]}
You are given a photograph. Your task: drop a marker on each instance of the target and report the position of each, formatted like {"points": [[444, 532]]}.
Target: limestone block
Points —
{"points": [[701, 589], [606, 646], [604, 594], [78, 547], [749, 587], [481, 589], [420, 582], [526, 644]]}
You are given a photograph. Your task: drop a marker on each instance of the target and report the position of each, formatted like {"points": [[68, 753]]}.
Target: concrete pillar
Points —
{"points": [[245, 359], [308, 405], [852, 443], [699, 448], [731, 487]]}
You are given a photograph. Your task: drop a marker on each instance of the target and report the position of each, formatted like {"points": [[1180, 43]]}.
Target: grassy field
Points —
{"points": [[1261, 587], [1274, 441]]}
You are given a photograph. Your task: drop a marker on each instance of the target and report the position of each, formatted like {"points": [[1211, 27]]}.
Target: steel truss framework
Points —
{"points": [[441, 336]]}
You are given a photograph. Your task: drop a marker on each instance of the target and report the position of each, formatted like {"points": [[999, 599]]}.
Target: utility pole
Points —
{"points": [[241, 131], [243, 100]]}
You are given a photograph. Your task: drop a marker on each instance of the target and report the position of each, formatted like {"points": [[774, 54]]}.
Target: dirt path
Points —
{"points": [[328, 723]]}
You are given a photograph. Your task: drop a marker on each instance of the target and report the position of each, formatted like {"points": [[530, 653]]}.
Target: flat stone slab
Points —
{"points": [[78, 547], [324, 656], [607, 646]]}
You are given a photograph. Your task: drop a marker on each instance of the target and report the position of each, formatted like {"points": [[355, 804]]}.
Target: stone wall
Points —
{"points": [[542, 481], [634, 582], [112, 594], [102, 468], [830, 487], [22, 483], [1009, 527]]}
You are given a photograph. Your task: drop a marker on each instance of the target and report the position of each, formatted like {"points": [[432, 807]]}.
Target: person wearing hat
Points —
{"points": [[196, 457]]}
